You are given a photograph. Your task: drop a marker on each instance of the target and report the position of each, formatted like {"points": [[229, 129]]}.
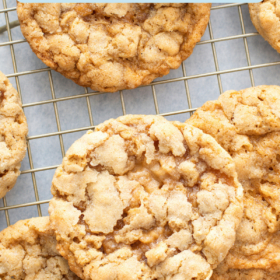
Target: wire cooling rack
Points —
{"points": [[59, 112]]}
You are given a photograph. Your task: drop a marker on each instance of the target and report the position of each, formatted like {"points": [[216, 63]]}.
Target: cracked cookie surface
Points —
{"points": [[13, 131], [247, 125], [266, 19], [145, 198], [111, 47], [28, 252]]}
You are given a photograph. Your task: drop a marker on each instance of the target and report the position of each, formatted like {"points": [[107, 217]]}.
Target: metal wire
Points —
{"points": [[185, 78]]}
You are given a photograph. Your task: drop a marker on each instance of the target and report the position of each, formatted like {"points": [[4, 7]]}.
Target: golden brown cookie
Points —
{"points": [[111, 47], [247, 125], [13, 131], [249, 274], [145, 198], [266, 19], [27, 252]]}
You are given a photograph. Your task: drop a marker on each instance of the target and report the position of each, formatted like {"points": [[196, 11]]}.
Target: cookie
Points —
{"points": [[265, 17], [246, 123], [145, 198], [110, 47], [27, 251], [13, 131], [250, 274]]}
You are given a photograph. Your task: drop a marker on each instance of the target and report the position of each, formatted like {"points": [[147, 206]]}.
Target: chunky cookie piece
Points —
{"points": [[247, 125], [265, 17], [145, 198], [111, 47], [13, 131], [27, 251]]}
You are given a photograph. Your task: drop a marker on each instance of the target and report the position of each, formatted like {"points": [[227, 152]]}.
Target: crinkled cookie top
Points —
{"points": [[13, 131], [145, 198], [110, 47], [266, 19], [27, 252], [247, 125]]}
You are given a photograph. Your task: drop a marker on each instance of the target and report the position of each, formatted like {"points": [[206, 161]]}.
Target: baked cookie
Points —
{"points": [[250, 274], [27, 251], [111, 47], [13, 131], [247, 125], [266, 19], [145, 198]]}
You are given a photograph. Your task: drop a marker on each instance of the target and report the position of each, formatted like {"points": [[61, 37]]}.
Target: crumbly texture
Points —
{"points": [[250, 274], [266, 19], [13, 131], [247, 125], [144, 198], [111, 47], [28, 252]]}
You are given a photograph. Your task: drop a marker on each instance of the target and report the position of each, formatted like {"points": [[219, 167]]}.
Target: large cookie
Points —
{"points": [[110, 47], [13, 131], [27, 251], [247, 125], [145, 198], [266, 19]]}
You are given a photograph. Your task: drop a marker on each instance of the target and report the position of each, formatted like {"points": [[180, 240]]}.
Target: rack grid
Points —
{"points": [[88, 93]]}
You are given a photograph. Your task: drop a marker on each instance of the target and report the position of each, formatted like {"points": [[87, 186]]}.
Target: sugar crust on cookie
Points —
{"points": [[13, 131], [144, 198], [110, 47], [247, 125], [266, 19], [28, 251]]}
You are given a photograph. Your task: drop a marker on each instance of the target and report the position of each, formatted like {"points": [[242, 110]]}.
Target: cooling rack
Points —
{"points": [[231, 55]]}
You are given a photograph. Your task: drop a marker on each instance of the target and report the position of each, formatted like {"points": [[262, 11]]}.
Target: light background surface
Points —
{"points": [[204, 80]]}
